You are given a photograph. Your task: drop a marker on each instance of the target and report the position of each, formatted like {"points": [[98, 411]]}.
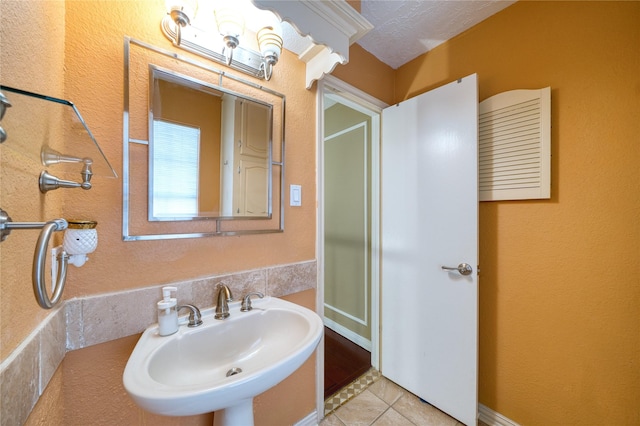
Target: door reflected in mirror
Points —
{"points": [[209, 151]]}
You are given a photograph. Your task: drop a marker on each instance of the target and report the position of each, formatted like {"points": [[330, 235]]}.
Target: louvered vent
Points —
{"points": [[515, 145]]}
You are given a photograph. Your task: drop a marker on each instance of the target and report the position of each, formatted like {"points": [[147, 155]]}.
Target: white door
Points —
{"points": [[429, 336]]}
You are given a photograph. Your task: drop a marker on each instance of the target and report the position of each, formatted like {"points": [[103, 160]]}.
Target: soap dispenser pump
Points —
{"points": [[168, 312]]}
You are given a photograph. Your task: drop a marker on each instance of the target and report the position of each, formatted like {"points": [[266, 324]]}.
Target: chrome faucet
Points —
{"points": [[195, 318], [246, 301], [223, 299]]}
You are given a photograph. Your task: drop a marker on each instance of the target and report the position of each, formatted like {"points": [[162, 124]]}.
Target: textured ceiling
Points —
{"points": [[405, 29]]}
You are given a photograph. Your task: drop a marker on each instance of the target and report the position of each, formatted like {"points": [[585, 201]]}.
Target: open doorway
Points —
{"points": [[348, 228]]}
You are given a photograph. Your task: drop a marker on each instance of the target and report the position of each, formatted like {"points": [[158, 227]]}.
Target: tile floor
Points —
{"points": [[383, 403]]}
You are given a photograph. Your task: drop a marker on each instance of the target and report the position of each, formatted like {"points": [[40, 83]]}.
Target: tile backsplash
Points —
{"points": [[26, 372], [91, 320]]}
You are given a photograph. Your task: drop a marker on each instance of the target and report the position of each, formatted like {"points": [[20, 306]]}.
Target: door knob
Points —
{"points": [[463, 269]]}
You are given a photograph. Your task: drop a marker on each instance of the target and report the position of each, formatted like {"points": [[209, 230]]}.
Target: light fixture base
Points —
{"points": [[179, 17], [231, 41], [195, 41]]}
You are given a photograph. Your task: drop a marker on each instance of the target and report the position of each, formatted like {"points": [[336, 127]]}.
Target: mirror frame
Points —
{"points": [[219, 229]]}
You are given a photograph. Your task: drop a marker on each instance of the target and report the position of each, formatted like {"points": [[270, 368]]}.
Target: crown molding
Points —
{"points": [[329, 27]]}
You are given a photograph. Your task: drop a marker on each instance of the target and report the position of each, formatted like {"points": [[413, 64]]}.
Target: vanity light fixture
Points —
{"points": [[216, 33], [181, 12]]}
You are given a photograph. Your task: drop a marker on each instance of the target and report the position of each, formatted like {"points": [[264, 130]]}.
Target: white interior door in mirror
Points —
{"points": [[251, 159]]}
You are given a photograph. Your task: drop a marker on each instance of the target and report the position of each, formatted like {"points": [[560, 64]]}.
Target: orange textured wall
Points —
{"points": [[367, 73], [94, 81], [50, 409], [74, 50], [354, 4], [34, 53], [32, 58], [560, 278]]}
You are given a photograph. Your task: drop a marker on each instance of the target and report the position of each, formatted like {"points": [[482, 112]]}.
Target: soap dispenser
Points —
{"points": [[168, 312]]}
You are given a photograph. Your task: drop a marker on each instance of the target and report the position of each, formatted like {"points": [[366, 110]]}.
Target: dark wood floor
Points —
{"points": [[344, 361]]}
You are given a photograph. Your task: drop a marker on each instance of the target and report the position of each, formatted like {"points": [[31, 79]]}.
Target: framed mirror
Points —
{"points": [[203, 150], [209, 151]]}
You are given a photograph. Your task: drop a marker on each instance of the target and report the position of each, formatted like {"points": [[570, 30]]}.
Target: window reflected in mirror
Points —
{"points": [[175, 188]]}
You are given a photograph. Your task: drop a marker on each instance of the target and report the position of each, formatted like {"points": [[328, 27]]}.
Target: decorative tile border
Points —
{"points": [[87, 321], [105, 317], [340, 398], [290, 279]]}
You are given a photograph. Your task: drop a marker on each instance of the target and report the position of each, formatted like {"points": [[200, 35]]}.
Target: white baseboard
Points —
{"points": [[492, 418], [310, 420]]}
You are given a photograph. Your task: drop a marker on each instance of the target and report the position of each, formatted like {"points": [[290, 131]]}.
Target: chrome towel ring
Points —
{"points": [[40, 257], [39, 260]]}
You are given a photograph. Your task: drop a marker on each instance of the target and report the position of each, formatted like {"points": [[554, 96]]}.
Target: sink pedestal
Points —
{"points": [[240, 414]]}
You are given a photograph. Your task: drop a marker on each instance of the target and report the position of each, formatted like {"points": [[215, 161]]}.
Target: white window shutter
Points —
{"points": [[515, 145]]}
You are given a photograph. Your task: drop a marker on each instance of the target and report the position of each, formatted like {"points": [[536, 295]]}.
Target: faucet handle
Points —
{"points": [[246, 301], [195, 318]]}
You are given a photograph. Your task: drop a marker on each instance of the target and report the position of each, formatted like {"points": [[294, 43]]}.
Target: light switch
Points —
{"points": [[295, 195]]}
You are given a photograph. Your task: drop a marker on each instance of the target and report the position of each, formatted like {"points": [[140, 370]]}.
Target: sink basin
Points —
{"points": [[222, 364]]}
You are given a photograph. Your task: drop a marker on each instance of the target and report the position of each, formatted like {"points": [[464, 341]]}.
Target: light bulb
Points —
{"points": [[230, 22], [230, 26], [270, 41]]}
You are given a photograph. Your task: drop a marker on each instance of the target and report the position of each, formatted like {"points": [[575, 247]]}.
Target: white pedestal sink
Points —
{"points": [[223, 364]]}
